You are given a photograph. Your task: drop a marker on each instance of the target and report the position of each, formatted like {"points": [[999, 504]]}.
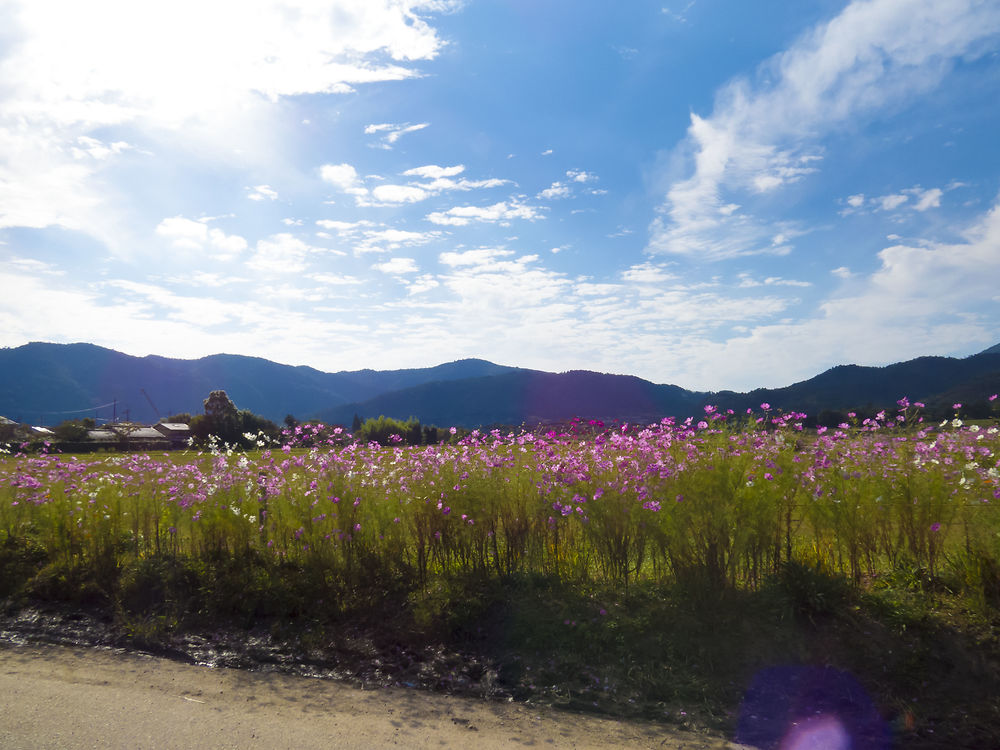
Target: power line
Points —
{"points": [[75, 411]]}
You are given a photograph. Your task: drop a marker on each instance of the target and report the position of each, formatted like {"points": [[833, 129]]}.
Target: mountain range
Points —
{"points": [[45, 383]]}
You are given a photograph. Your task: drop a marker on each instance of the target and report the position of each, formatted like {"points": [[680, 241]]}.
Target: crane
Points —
{"points": [[158, 417]]}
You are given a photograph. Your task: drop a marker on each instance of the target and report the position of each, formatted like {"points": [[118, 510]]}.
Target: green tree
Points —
{"points": [[253, 424], [74, 430], [222, 417]]}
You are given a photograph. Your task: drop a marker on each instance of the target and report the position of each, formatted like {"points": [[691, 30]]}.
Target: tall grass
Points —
{"points": [[722, 502]]}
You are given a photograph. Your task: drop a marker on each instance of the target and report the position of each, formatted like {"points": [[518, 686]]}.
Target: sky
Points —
{"points": [[712, 193]]}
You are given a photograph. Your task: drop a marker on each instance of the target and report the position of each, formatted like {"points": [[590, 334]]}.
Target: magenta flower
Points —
{"points": [[935, 527]]}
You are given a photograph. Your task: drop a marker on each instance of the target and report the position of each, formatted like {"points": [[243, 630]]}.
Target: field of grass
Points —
{"points": [[656, 570]]}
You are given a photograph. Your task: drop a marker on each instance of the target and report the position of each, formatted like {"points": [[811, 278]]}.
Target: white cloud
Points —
{"points": [[747, 281], [73, 71], [344, 227], [281, 254], [441, 179], [499, 212], [96, 149], [261, 193], [393, 132], [926, 198], [578, 175], [342, 176], [907, 307], [189, 234], [484, 257], [556, 190], [761, 136], [923, 200], [332, 279], [446, 183], [842, 272], [648, 273], [891, 202], [422, 284], [399, 194], [434, 172], [397, 266]]}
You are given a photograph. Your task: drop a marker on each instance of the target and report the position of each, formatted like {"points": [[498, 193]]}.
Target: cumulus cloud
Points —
{"points": [[554, 191], [578, 175], [281, 253], [422, 284], [344, 177], [399, 194], [190, 234], [761, 135], [434, 172], [501, 213], [648, 273], [397, 266]]}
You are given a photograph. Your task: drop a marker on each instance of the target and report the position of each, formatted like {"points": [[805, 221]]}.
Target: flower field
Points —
{"points": [[723, 501], [615, 542]]}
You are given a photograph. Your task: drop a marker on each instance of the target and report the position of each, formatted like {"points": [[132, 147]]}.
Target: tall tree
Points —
{"points": [[222, 417]]}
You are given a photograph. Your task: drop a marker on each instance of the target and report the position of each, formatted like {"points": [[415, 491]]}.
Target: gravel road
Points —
{"points": [[75, 698]]}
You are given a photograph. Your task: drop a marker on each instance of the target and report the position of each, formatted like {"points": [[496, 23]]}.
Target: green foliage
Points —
{"points": [[222, 417], [74, 430], [387, 431], [812, 591]]}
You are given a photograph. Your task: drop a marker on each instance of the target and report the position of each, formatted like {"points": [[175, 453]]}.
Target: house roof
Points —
{"points": [[145, 433]]}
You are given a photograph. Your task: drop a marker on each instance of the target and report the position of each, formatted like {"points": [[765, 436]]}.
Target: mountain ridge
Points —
{"points": [[45, 383]]}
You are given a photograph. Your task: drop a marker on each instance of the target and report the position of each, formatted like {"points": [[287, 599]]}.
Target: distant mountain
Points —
{"points": [[47, 383], [526, 396], [927, 379]]}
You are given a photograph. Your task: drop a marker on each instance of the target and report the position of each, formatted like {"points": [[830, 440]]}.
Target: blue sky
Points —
{"points": [[716, 194]]}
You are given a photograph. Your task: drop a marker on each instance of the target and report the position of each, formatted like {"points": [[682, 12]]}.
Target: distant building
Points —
{"points": [[102, 438], [177, 433], [145, 439]]}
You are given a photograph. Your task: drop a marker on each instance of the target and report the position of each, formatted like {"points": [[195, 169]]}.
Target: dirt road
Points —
{"points": [[58, 697]]}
